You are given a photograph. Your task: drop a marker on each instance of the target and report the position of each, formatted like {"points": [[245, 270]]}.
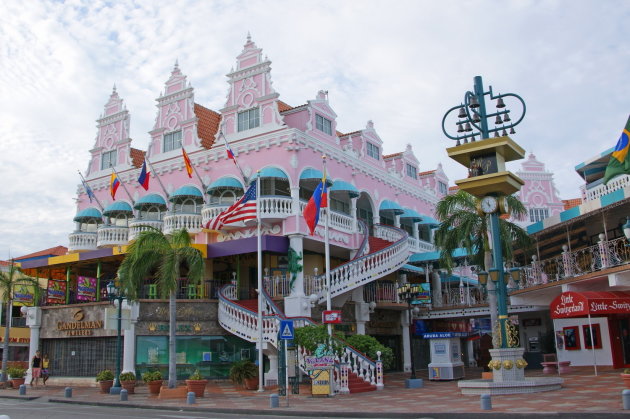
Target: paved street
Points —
{"points": [[583, 393]]}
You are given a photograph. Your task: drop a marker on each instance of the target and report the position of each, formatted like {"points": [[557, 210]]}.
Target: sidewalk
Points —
{"points": [[582, 392]]}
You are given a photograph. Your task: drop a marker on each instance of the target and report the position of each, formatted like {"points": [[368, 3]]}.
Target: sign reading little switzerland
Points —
{"points": [[579, 304]]}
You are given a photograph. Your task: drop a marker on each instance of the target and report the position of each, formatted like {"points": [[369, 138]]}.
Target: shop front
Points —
{"points": [[592, 327], [19, 339]]}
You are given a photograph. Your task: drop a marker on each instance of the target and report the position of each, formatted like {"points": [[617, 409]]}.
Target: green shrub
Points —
{"points": [[127, 376], [242, 370], [105, 375], [195, 376], [369, 346], [310, 337], [149, 376], [16, 372]]}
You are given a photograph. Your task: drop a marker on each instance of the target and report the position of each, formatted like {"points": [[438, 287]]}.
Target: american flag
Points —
{"points": [[242, 210]]}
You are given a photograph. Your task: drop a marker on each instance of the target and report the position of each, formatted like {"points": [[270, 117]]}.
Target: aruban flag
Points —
{"points": [[620, 158], [189, 167], [235, 216], [229, 153], [144, 176], [88, 190], [317, 201], [114, 183]]}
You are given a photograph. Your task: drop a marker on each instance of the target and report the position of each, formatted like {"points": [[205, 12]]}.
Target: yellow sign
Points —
{"points": [[320, 382], [17, 335]]}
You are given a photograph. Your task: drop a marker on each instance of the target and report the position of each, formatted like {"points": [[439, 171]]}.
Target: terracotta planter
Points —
{"points": [[155, 386], [626, 380], [130, 386], [106, 385], [17, 382], [251, 383], [197, 386]]}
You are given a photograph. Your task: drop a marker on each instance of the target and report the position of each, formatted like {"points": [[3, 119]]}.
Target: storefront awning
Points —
{"points": [[579, 304]]}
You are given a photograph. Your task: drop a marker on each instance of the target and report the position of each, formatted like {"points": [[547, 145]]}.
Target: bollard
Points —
{"points": [[625, 397], [123, 395], [22, 389], [68, 392], [486, 402], [274, 400], [190, 398]]}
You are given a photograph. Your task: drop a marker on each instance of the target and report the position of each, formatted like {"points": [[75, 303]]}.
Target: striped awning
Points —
{"points": [[87, 214]]}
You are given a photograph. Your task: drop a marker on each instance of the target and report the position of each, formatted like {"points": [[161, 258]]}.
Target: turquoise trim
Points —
{"points": [[570, 213], [388, 205], [186, 191], [151, 199], [225, 183], [273, 172], [612, 197], [535, 228], [411, 268], [430, 221], [87, 214], [411, 214], [343, 186], [119, 206], [311, 174], [434, 256]]}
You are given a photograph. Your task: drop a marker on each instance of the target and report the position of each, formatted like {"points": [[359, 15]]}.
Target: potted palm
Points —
{"points": [[105, 379], [196, 383], [128, 381], [625, 375], [245, 373], [16, 375], [153, 379]]}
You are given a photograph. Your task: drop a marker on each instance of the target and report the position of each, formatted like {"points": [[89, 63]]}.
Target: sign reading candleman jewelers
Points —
{"points": [[79, 327], [580, 304]]}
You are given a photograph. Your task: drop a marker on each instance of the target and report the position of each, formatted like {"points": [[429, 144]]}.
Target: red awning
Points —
{"points": [[578, 304]]}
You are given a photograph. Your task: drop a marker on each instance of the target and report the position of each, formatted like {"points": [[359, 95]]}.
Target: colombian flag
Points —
{"points": [[189, 168], [317, 201], [620, 158], [114, 183], [144, 177]]}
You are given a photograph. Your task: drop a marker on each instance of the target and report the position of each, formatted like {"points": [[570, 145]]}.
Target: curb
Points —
{"points": [[2, 396]]}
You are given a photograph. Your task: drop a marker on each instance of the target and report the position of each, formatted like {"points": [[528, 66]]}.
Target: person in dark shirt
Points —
{"points": [[36, 368]]}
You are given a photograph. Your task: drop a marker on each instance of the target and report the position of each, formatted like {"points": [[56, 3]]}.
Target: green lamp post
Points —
{"points": [[115, 294]]}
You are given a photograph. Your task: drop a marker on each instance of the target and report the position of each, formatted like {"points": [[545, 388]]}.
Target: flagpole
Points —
{"points": [[203, 186], [93, 194], [227, 146], [327, 250], [260, 286], [146, 158], [123, 185]]}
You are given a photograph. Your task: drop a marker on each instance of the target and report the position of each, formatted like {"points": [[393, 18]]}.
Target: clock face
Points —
{"points": [[489, 204]]}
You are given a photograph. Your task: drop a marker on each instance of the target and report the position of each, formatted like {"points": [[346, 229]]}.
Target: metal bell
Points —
{"points": [[468, 127], [512, 131], [507, 118], [460, 128], [474, 103], [504, 133], [496, 134], [472, 140], [476, 118], [498, 120], [462, 113], [500, 103]]}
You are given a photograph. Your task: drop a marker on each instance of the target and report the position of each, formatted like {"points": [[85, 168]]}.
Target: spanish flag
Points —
{"points": [[619, 163], [114, 183], [189, 168]]}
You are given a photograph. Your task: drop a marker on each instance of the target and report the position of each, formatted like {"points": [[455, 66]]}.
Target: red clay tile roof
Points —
{"points": [[4, 263], [349, 133], [283, 106], [137, 157], [453, 188], [389, 156], [53, 251], [426, 173], [207, 125], [570, 203]]}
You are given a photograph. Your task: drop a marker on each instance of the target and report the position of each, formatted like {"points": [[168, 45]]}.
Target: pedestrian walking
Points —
{"points": [[45, 368], [36, 368]]}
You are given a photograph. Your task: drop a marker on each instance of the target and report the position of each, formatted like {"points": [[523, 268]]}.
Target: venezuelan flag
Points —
{"points": [[620, 158], [318, 200], [114, 183], [144, 177]]}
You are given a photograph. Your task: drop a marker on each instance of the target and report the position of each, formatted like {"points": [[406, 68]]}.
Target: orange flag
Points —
{"points": [[189, 167]]}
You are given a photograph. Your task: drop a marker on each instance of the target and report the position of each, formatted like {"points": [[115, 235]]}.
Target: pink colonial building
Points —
{"points": [[381, 210]]}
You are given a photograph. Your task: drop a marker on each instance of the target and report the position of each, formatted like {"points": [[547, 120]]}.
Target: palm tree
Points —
{"points": [[165, 258], [463, 226], [10, 280]]}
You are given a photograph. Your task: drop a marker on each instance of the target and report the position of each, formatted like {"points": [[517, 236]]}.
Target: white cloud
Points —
{"points": [[401, 64]]}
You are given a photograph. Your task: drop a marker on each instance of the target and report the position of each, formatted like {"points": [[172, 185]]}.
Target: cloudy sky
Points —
{"points": [[401, 64]]}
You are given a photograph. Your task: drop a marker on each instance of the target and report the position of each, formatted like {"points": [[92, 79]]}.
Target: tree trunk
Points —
{"points": [[5, 346], [172, 355], [492, 295]]}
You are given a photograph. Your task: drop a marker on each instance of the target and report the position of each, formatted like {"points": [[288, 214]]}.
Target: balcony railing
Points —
{"points": [[82, 241], [419, 246], [279, 207], [108, 236], [138, 226], [191, 222], [596, 192], [603, 255], [338, 220], [380, 292], [465, 296]]}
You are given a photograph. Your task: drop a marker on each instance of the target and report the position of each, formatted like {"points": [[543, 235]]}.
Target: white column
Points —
{"points": [[436, 286], [34, 322], [353, 213], [297, 304], [129, 341], [295, 197], [361, 310], [397, 221], [271, 376], [404, 323], [416, 231]]}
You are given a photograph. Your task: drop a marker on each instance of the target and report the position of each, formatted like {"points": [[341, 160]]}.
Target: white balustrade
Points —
{"points": [[191, 222], [138, 226], [108, 235], [210, 212], [275, 206], [82, 241], [420, 246], [596, 192]]}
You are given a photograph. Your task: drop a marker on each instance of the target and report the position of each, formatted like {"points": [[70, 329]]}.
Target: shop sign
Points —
{"points": [[424, 296], [445, 335], [16, 340], [331, 316], [56, 292], [79, 327], [23, 295], [86, 288], [181, 327], [320, 382], [319, 362], [579, 304]]}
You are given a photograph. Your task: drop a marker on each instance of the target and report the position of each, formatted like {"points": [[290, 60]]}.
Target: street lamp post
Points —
{"points": [[488, 178], [114, 293], [409, 293]]}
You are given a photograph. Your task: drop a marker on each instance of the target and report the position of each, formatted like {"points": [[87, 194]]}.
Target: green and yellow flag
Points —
{"points": [[620, 159]]}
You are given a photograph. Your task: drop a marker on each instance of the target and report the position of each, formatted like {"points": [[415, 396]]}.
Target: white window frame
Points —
{"points": [[411, 171], [172, 141], [538, 214], [323, 124], [108, 159], [248, 119], [443, 188], [373, 151]]}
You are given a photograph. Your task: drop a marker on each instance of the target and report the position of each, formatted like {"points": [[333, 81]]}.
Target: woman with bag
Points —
{"points": [[45, 370]]}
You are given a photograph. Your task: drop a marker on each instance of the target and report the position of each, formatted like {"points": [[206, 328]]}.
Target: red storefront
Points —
{"points": [[614, 306]]}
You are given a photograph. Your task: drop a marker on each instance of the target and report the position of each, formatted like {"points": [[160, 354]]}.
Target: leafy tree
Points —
{"points": [[369, 346], [463, 226], [165, 258], [9, 283]]}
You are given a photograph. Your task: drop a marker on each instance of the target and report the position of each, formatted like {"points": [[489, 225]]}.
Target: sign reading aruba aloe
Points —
{"points": [[56, 292], [86, 288]]}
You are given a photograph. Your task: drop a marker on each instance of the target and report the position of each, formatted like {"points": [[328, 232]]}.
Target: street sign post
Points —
{"points": [[287, 332]]}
